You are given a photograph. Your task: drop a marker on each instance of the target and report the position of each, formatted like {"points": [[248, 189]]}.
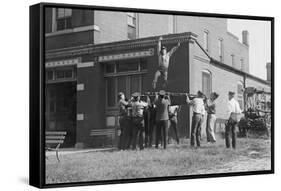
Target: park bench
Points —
{"points": [[54, 139], [104, 133]]}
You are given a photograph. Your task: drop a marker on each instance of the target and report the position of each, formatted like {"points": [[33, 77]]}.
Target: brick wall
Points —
{"points": [[153, 24], [113, 26], [217, 28]]}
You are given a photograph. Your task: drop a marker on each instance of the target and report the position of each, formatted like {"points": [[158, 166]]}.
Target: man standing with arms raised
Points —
{"points": [[162, 105], [138, 108], [198, 109]]}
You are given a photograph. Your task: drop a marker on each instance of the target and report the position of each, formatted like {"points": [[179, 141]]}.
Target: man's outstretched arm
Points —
{"points": [[173, 50]]}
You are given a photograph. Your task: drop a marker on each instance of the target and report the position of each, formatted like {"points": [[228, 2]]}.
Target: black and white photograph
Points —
{"points": [[139, 94]]}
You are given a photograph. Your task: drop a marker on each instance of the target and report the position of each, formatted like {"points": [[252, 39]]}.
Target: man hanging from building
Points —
{"points": [[163, 63]]}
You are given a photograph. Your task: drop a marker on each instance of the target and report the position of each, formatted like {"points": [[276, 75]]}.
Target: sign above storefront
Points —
{"points": [[128, 55], [58, 63]]}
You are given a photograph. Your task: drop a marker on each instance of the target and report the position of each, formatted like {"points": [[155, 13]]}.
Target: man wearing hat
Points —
{"points": [[233, 113], [198, 109], [162, 117], [124, 121], [163, 63], [210, 105], [138, 108]]}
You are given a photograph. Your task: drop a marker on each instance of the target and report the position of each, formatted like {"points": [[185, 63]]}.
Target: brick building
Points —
{"points": [[92, 55]]}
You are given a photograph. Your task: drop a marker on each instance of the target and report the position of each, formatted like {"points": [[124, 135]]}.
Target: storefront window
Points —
{"points": [[126, 84], [124, 66], [143, 64], [50, 75], [109, 68], [135, 84], [125, 76], [111, 94], [121, 84]]}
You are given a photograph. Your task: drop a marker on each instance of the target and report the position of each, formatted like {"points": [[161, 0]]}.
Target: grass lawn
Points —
{"points": [[251, 155]]}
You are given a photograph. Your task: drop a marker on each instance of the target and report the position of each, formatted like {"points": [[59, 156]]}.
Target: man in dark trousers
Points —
{"points": [[162, 117], [234, 113], [173, 116], [198, 108], [138, 108], [152, 123], [124, 122]]}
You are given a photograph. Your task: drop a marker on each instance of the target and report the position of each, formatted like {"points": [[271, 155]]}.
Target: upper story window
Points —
{"points": [[132, 25], [242, 64], [232, 60], [220, 44], [63, 19], [206, 82], [206, 40]]}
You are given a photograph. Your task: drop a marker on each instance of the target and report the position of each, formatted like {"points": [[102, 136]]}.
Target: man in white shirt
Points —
{"points": [[138, 107], [233, 112], [198, 109]]}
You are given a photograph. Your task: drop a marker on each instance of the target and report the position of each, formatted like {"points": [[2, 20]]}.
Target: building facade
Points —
{"points": [[92, 55]]}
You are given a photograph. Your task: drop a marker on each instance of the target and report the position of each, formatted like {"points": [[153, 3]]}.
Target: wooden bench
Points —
{"points": [[104, 132], [53, 140]]}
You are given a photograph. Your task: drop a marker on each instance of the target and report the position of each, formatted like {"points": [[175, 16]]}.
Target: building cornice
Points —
{"points": [[120, 45], [73, 30]]}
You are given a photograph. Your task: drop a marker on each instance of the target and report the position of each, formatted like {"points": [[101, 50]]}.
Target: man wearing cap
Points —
{"points": [[210, 105], [198, 109], [163, 63], [233, 113], [124, 121], [138, 108], [162, 117]]}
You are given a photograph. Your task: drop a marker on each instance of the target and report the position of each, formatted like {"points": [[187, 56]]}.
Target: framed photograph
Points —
{"points": [[121, 95]]}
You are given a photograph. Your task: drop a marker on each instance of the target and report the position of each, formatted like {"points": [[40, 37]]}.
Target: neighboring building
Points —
{"points": [[268, 71], [92, 55]]}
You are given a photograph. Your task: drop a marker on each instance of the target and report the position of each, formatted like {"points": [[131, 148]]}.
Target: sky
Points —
{"points": [[259, 42]]}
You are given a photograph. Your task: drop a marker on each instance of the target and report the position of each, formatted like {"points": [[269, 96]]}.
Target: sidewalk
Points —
{"points": [[67, 151]]}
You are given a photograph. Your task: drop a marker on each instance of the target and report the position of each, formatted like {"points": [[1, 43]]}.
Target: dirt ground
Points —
{"points": [[177, 160]]}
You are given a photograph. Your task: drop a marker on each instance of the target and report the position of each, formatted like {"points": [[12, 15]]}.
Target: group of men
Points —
{"points": [[138, 119], [202, 106]]}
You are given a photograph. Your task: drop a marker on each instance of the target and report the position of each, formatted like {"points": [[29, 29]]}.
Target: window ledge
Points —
{"points": [[77, 29]]}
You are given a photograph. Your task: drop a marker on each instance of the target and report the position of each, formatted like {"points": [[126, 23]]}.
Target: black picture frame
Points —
{"points": [[37, 95]]}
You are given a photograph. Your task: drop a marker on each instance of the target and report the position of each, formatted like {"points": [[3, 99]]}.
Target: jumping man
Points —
{"points": [[163, 63]]}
